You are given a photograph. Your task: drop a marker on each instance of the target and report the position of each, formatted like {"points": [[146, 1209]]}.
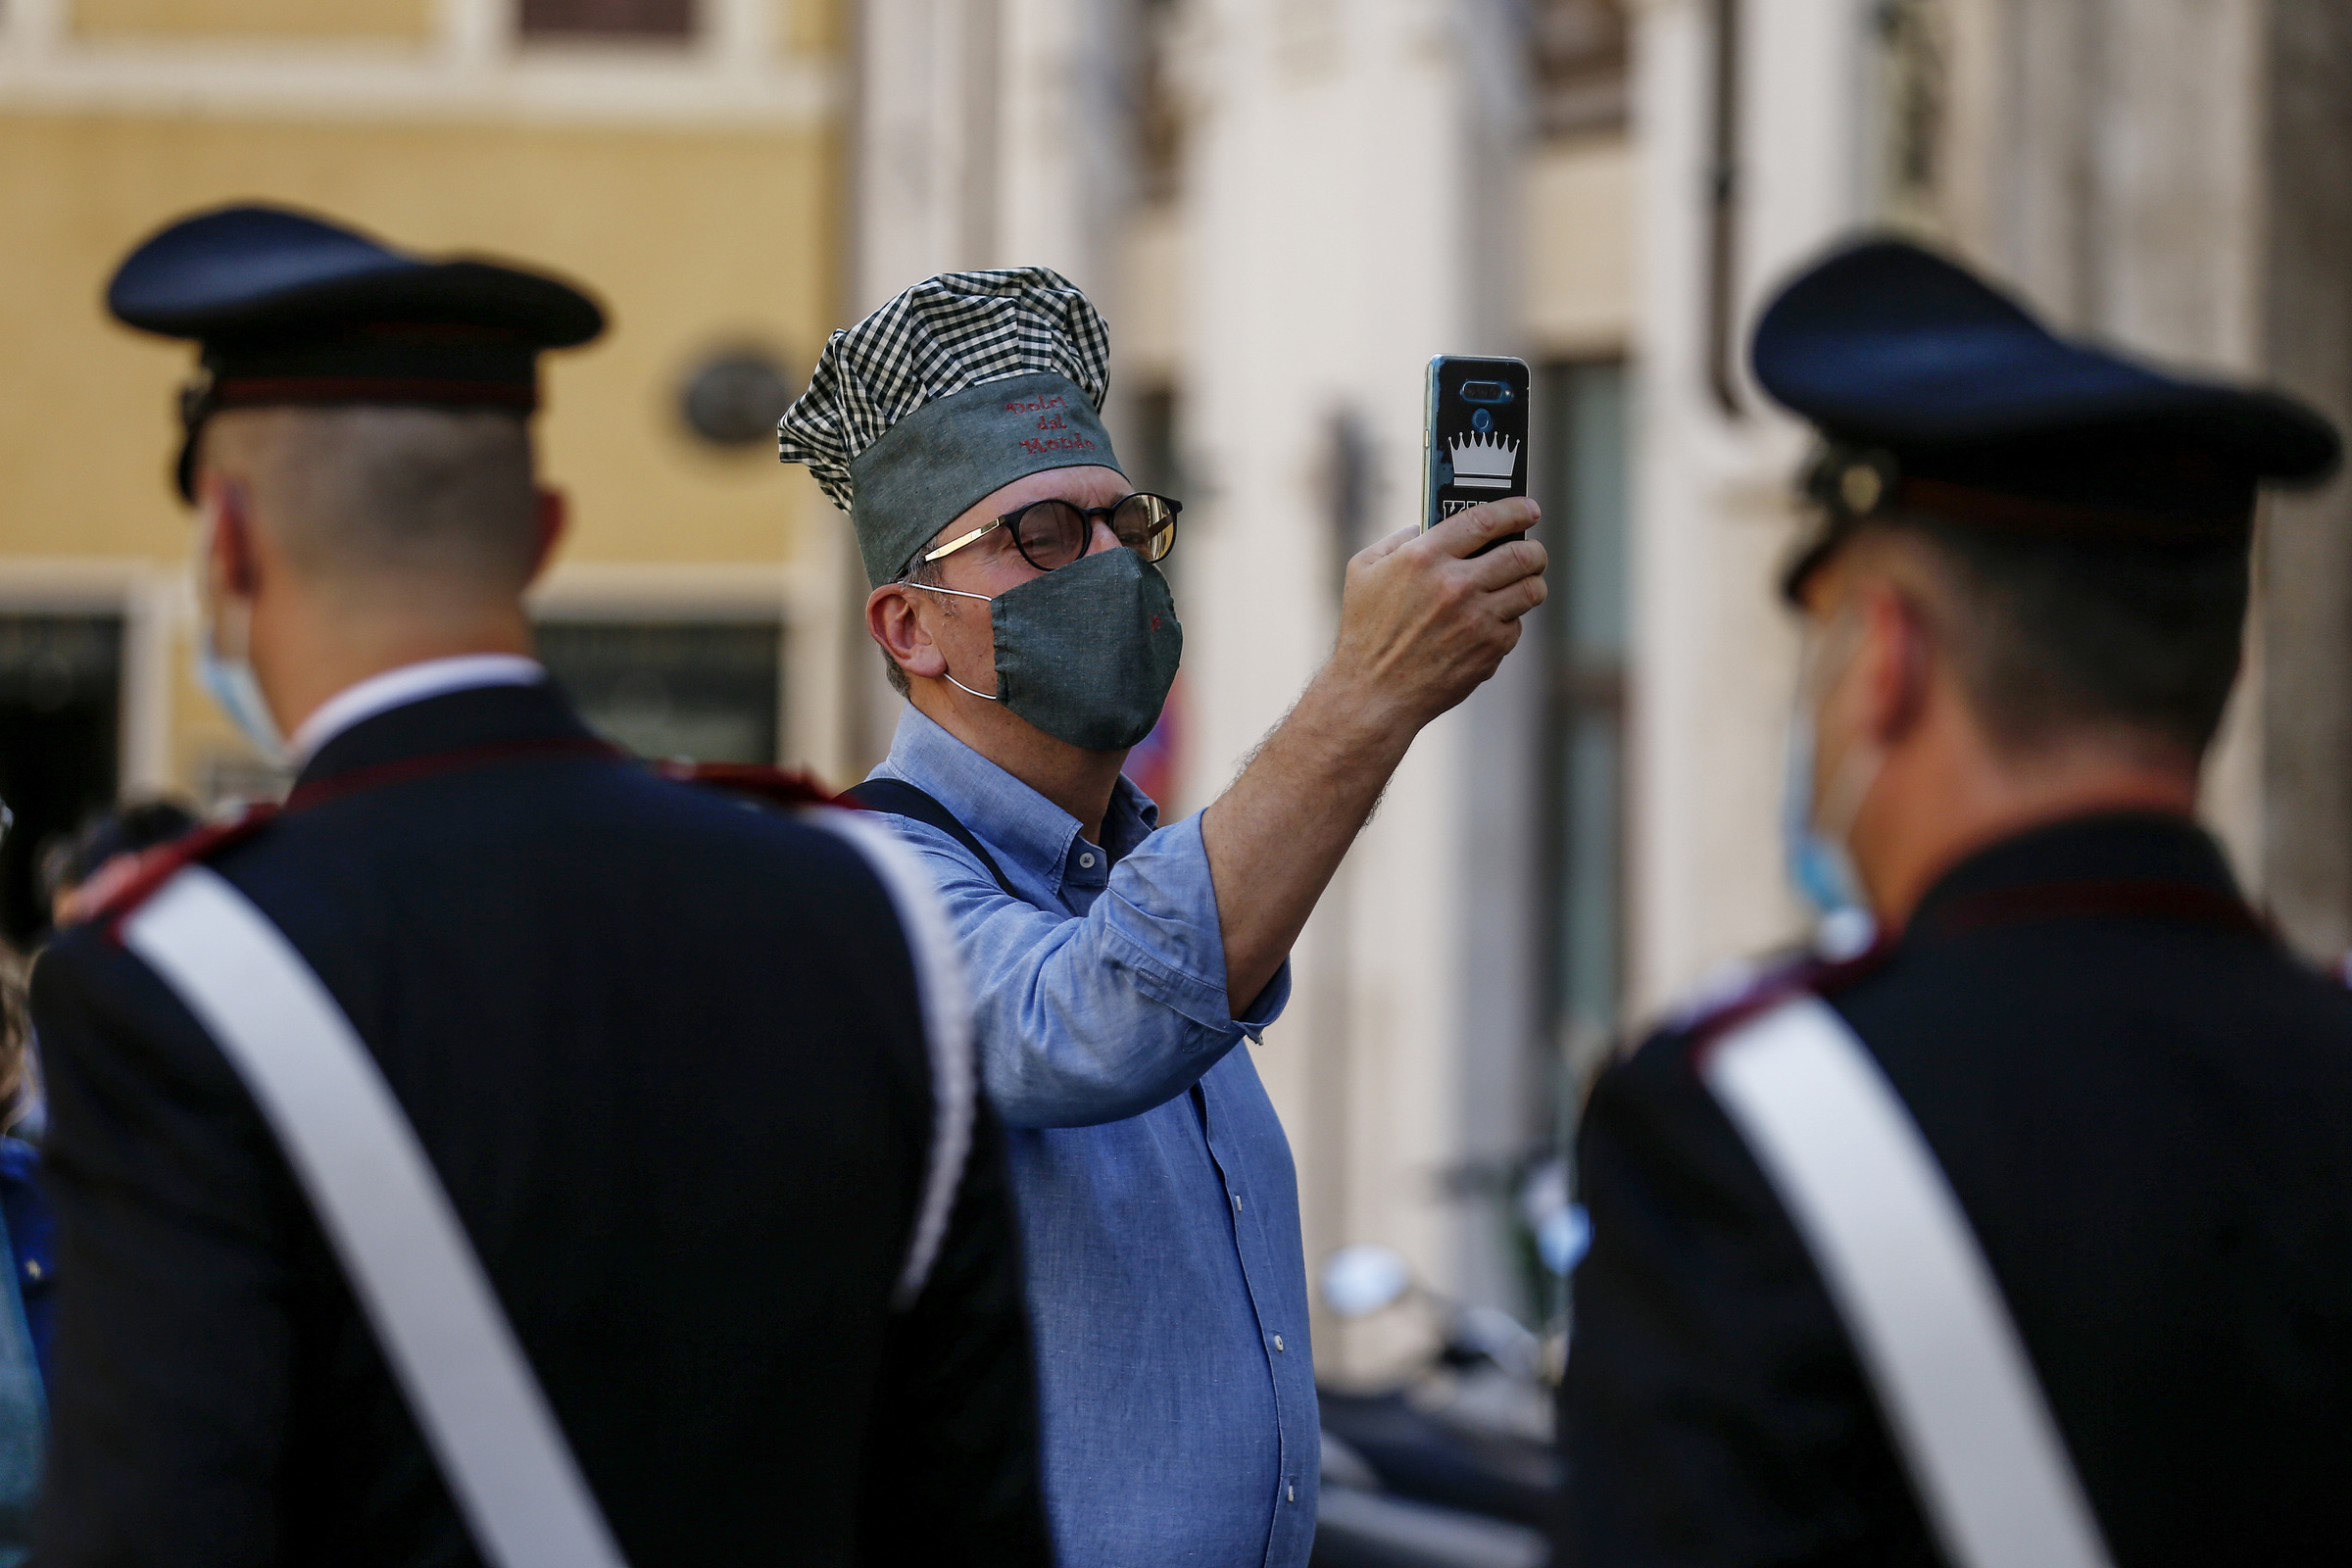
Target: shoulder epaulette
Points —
{"points": [[1744, 994], [780, 786], [127, 881]]}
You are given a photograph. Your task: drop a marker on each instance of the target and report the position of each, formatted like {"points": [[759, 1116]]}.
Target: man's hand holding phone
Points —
{"points": [[1426, 617], [1423, 620]]}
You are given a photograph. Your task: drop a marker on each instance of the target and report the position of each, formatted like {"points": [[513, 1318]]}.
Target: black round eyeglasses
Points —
{"points": [[1053, 533]]}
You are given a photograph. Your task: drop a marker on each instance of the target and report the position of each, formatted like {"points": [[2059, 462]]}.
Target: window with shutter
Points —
{"points": [[606, 18]]}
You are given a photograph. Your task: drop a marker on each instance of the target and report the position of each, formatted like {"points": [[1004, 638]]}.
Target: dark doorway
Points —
{"points": [[706, 690], [1583, 496], [606, 18], [61, 714]]}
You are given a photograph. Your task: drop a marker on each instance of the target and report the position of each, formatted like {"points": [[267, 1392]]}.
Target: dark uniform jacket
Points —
{"points": [[2146, 1109], [664, 1051]]}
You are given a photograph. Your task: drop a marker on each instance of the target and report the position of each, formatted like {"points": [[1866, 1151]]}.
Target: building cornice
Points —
{"points": [[737, 73]]}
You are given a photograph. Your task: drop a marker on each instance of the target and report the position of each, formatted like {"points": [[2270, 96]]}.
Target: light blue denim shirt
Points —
{"points": [[1167, 1291]]}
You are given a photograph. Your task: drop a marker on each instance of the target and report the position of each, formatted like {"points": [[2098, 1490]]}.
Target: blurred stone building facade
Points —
{"points": [[2166, 175], [1285, 207], [683, 160]]}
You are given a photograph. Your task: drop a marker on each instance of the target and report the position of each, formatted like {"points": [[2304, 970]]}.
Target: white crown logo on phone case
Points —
{"points": [[1484, 461]]}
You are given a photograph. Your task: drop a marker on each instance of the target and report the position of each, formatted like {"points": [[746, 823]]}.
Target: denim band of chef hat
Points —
{"points": [[956, 388]]}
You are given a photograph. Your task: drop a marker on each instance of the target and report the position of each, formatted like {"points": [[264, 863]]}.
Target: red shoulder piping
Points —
{"points": [[779, 785]]}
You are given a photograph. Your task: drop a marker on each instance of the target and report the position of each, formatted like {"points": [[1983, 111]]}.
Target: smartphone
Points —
{"points": [[1473, 435]]}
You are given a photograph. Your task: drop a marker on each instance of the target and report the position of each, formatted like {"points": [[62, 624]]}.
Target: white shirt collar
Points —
{"points": [[409, 683]]}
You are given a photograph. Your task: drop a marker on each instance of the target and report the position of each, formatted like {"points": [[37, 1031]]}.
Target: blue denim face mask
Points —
{"points": [[1087, 652]]}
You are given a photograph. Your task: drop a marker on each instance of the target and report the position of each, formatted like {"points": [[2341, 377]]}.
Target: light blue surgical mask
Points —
{"points": [[224, 667], [1818, 865], [232, 686]]}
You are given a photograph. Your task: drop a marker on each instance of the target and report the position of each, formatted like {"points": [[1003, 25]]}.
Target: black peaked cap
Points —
{"points": [[1891, 345], [1937, 393], [291, 309], [244, 273]]}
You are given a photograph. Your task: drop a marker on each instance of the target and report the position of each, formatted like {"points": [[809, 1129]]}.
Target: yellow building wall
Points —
{"points": [[807, 27], [693, 238], [299, 18], [816, 26]]}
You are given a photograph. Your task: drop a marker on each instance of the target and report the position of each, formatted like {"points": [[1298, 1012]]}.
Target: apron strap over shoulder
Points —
{"points": [[947, 1013]]}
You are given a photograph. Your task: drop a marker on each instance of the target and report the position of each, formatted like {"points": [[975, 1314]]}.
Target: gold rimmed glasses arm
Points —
{"points": [[954, 545]]}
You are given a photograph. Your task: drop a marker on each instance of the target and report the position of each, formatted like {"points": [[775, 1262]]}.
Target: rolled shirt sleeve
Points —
{"points": [[1103, 1016]]}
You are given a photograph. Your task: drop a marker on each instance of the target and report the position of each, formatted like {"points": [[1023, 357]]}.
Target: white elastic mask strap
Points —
{"points": [[223, 662], [1849, 786], [934, 588], [216, 613]]}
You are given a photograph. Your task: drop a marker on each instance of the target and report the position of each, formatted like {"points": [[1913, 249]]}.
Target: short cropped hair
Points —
{"points": [[2053, 636], [366, 491]]}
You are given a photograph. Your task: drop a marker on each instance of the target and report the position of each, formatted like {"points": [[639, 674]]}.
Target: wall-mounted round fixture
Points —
{"points": [[733, 398]]}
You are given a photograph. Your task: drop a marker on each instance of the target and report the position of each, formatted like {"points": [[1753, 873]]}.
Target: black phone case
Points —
{"points": [[1475, 435]]}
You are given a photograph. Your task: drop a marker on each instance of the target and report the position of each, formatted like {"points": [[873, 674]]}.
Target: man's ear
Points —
{"points": [[555, 515], [1895, 659], [232, 564], [893, 619]]}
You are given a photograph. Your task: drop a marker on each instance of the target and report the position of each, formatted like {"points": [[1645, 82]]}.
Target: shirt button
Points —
{"points": [[32, 1270], [1086, 859], [1292, 1493], [1278, 1342], [1237, 1201]]}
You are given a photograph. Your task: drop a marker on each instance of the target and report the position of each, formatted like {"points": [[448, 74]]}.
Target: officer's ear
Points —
{"points": [[1895, 660], [232, 562], [555, 515]]}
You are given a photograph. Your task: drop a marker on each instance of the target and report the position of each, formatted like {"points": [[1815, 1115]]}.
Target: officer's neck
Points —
{"points": [[1077, 780], [308, 648], [1945, 790]]}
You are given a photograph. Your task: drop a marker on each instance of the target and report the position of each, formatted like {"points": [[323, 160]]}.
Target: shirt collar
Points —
{"points": [[409, 683], [1007, 814]]}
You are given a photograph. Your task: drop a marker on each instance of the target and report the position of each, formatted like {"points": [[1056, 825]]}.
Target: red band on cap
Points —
{"points": [[249, 391], [2001, 509]]}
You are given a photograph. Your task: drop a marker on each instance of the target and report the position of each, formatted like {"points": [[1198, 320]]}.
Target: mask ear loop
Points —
{"points": [[1857, 772], [961, 594]]}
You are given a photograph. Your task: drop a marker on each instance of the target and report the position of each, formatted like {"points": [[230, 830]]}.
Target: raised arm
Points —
{"points": [[1421, 625], [1102, 1018]]}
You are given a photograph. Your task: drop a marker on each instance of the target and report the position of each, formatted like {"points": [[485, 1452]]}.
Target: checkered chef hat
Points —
{"points": [[956, 388]]}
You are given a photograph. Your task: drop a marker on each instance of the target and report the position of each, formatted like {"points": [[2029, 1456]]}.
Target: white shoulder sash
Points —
{"points": [[1916, 1295], [380, 1203], [390, 1221]]}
